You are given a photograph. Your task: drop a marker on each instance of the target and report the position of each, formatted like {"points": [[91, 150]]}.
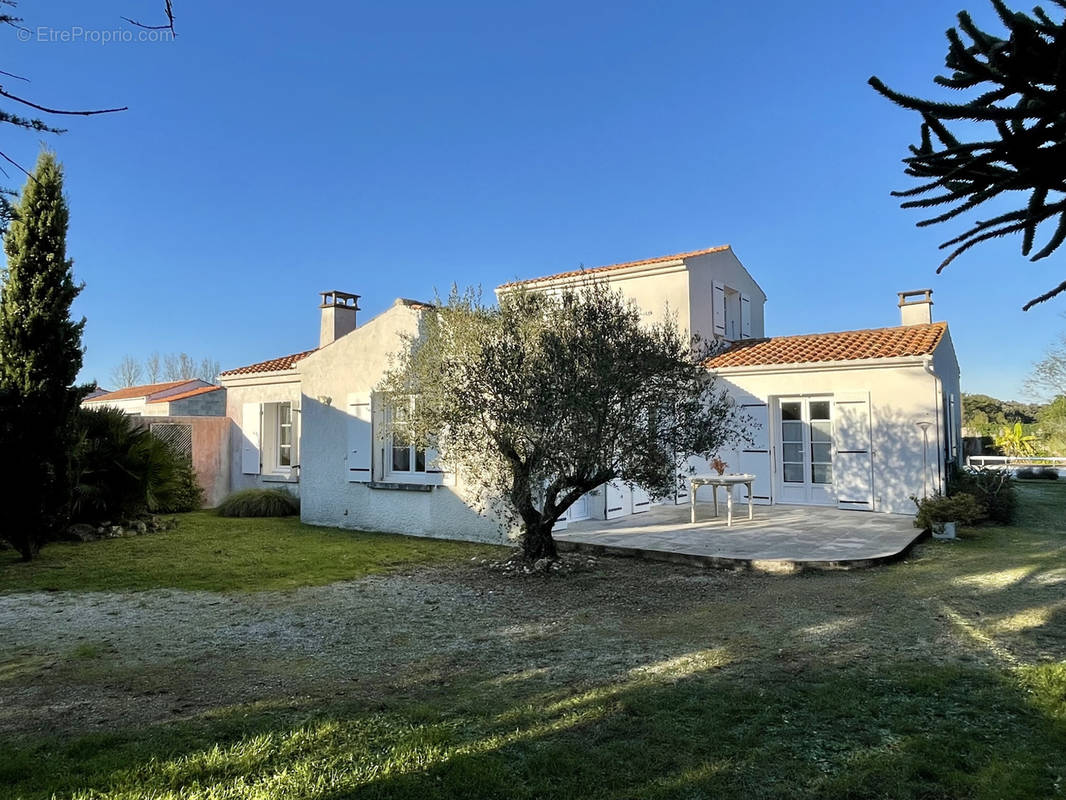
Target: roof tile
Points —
{"points": [[137, 391], [183, 395], [273, 365], [907, 340]]}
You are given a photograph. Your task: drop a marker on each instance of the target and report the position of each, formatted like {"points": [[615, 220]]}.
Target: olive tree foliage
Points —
{"points": [[1018, 84], [540, 399]]}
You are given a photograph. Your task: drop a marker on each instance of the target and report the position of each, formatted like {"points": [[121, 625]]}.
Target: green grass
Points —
{"points": [[214, 554], [946, 680]]}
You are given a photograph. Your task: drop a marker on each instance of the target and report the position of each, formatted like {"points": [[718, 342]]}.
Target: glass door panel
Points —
{"points": [[792, 441], [806, 450]]}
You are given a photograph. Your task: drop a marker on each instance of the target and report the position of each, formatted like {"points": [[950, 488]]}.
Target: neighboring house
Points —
{"points": [[184, 398], [190, 415], [859, 419]]}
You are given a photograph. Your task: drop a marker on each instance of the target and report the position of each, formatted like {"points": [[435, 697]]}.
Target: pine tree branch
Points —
{"points": [[1046, 296], [48, 110]]}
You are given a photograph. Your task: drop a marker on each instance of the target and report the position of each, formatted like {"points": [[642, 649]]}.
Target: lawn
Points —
{"points": [[938, 677], [220, 555]]}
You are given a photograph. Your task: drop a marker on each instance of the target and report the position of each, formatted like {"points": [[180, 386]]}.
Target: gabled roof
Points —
{"points": [[131, 392], [643, 262], [273, 365], [182, 395], [899, 342]]}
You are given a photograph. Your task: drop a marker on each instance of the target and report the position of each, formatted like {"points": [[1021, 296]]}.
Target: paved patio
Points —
{"points": [[779, 538]]}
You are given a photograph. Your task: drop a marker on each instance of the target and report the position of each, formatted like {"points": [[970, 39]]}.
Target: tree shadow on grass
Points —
{"points": [[690, 727]]}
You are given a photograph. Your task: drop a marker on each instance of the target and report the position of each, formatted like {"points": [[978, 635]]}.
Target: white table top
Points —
{"points": [[722, 480]]}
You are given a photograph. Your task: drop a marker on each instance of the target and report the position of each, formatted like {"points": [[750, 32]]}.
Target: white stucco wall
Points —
{"points": [[946, 367], [724, 267], [900, 396], [130, 405], [356, 363], [261, 388]]}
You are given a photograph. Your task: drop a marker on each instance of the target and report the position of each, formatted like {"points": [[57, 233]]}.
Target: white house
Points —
{"points": [[858, 419], [188, 398]]}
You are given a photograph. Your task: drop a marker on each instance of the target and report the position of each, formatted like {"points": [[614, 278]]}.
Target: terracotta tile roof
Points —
{"points": [[609, 267], [136, 391], [908, 340], [273, 365], [183, 395]]}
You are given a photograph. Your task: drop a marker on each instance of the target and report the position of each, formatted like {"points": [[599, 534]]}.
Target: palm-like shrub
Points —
{"points": [[121, 470], [260, 503]]}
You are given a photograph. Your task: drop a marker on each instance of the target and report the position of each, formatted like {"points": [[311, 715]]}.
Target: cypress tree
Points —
{"points": [[1020, 86], [40, 356]]}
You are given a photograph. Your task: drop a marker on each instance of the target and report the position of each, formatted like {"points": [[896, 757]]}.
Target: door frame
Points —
{"points": [[814, 495]]}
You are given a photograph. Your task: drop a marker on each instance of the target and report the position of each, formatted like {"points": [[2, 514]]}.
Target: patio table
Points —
{"points": [[714, 481]]}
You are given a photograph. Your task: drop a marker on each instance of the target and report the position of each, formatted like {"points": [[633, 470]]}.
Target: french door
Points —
{"points": [[806, 451]]}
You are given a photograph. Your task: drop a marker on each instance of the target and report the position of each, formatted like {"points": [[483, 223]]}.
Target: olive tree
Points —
{"points": [[544, 397]]}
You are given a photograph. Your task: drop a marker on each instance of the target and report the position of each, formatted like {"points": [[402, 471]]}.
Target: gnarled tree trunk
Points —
{"points": [[537, 541]]}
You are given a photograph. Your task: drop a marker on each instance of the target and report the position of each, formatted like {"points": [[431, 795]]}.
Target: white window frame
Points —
{"points": [[272, 447], [413, 474]]}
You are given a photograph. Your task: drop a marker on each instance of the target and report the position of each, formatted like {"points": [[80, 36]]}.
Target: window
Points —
{"points": [[281, 439], [403, 456], [284, 434]]}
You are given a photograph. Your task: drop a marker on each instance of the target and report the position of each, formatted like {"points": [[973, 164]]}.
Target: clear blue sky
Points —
{"points": [[276, 150]]}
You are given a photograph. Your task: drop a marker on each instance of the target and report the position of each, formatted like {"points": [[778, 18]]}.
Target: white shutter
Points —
{"points": [[251, 418], [360, 438], [619, 503], [754, 458], [436, 467], [718, 308], [641, 500], [745, 317], [953, 430], [853, 466]]}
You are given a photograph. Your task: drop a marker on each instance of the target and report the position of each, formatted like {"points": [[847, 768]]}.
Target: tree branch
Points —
{"points": [[48, 110]]}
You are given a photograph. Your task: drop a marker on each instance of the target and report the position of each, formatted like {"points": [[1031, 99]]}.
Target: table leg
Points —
{"points": [[692, 501], [729, 506], [714, 488], [751, 503]]}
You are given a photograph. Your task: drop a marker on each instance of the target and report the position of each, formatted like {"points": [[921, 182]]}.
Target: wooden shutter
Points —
{"points": [[360, 438], [953, 430], [641, 500], [754, 458], [745, 317], [619, 503], [251, 423], [718, 308], [853, 466]]}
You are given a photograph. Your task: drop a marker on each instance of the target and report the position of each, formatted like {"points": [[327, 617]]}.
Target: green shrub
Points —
{"points": [[1047, 474], [993, 488], [1025, 474], [122, 471], [187, 495], [259, 503], [934, 511]]}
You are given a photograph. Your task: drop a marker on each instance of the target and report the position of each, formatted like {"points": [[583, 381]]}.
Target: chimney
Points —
{"points": [[338, 316], [916, 308]]}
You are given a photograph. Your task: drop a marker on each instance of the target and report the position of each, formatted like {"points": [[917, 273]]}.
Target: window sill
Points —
{"points": [[276, 478], [401, 487]]}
